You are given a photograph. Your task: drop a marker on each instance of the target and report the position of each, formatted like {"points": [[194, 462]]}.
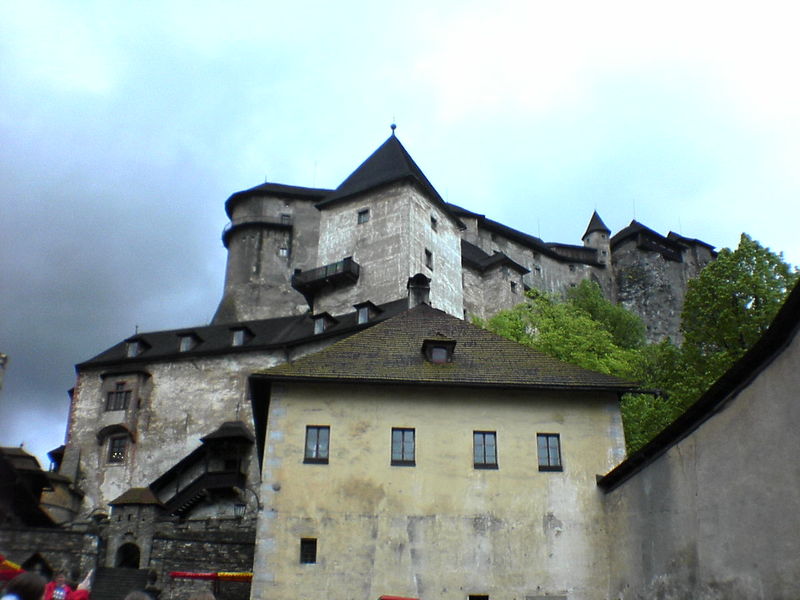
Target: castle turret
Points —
{"points": [[597, 237], [273, 231]]}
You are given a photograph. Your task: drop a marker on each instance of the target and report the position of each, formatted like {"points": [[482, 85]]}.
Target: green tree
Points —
{"points": [[626, 328], [727, 309]]}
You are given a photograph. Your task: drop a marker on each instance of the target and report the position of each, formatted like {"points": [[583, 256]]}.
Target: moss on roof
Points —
{"points": [[391, 352]]}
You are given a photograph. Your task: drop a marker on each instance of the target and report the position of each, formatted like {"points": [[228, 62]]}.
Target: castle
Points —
{"points": [[342, 430]]}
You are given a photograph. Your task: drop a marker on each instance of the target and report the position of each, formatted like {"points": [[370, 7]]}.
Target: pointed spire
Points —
{"points": [[389, 163], [595, 224]]}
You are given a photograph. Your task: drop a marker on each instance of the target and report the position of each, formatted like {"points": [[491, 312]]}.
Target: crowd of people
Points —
{"points": [[32, 586]]}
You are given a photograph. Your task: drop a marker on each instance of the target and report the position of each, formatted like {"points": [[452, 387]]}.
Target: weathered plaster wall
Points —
{"points": [[718, 515], [390, 248], [487, 293], [440, 528], [183, 401], [258, 276]]}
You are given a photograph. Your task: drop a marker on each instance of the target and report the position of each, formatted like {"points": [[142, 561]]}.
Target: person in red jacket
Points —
{"points": [[58, 588]]}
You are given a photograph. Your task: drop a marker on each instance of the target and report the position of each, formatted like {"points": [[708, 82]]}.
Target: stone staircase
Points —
{"points": [[115, 583]]}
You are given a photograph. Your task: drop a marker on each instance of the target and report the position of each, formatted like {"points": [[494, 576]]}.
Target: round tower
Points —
{"points": [[273, 230], [598, 236]]}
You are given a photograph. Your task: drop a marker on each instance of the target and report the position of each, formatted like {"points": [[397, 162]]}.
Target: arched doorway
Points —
{"points": [[127, 556]]}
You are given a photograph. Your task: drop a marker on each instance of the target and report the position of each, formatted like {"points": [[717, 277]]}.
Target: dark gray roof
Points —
{"points": [[474, 257], [780, 334], [647, 239], [136, 495], [276, 189], [554, 251], [390, 163], [391, 352], [595, 224], [230, 430], [280, 332]]}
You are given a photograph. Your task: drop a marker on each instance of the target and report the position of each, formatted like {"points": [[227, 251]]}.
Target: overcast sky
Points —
{"points": [[125, 126]]}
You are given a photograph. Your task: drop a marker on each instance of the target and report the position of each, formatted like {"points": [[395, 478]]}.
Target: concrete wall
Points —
{"points": [[441, 528], [718, 515]]}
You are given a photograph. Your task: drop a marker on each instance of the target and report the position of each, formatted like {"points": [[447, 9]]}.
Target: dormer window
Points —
{"points": [[363, 216], [240, 336], [187, 342], [133, 348], [438, 350], [366, 312], [323, 322]]}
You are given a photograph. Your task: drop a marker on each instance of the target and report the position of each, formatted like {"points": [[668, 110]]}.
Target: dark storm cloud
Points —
{"points": [[123, 128]]}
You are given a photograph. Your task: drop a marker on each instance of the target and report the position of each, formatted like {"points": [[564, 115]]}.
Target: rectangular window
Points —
{"points": [[363, 314], [434, 223], [478, 597], [363, 216], [485, 449], [429, 259], [119, 398], [513, 287], [549, 449], [187, 343], [239, 337], [319, 325], [308, 550], [317, 440], [286, 219], [403, 447], [283, 251], [117, 447]]}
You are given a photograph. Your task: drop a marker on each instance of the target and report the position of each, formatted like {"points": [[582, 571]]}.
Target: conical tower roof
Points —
{"points": [[595, 224], [390, 163]]}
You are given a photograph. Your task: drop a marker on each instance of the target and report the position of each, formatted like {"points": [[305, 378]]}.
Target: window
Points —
{"points": [[286, 219], [239, 337], [434, 223], [485, 449], [319, 325], [429, 259], [133, 349], [187, 343], [363, 216], [119, 398], [117, 448], [513, 287], [308, 550], [438, 351], [363, 314], [283, 251], [317, 439], [403, 447], [549, 449], [478, 597], [572, 268]]}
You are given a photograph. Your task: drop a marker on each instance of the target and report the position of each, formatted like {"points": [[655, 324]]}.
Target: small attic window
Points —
{"points": [[240, 336], [366, 312], [134, 348], [323, 322], [438, 351], [187, 342]]}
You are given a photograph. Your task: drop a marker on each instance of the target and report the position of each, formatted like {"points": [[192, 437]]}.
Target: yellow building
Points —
{"points": [[428, 458]]}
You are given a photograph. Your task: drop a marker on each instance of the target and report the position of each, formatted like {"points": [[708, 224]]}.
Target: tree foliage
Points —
{"points": [[727, 308]]}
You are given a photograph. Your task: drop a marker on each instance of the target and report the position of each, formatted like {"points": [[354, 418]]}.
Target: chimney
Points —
{"points": [[419, 290]]}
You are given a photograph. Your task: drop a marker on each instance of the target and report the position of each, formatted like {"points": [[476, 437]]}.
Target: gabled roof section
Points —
{"points": [[136, 495], [474, 257], [782, 331], [390, 163], [267, 334], [595, 224], [390, 353]]}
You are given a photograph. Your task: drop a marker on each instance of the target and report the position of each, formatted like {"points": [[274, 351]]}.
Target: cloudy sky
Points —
{"points": [[125, 126]]}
